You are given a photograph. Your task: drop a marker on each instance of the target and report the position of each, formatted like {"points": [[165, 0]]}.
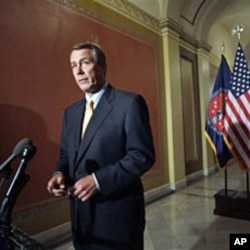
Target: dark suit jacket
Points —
{"points": [[118, 148]]}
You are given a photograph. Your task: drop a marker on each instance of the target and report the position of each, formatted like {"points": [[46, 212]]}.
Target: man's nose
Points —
{"points": [[80, 70]]}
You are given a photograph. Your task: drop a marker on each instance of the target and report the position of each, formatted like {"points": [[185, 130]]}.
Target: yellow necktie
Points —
{"points": [[87, 115]]}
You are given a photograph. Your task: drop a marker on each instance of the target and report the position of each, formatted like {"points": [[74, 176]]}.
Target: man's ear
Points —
{"points": [[103, 70]]}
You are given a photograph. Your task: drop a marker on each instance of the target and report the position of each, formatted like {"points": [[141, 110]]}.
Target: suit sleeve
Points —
{"points": [[62, 162], [139, 151]]}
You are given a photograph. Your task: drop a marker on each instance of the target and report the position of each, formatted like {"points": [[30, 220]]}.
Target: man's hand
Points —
{"points": [[56, 185], [84, 188]]}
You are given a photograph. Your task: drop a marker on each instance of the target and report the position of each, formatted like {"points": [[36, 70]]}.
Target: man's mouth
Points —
{"points": [[83, 80]]}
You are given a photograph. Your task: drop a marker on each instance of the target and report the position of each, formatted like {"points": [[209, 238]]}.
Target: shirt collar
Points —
{"points": [[96, 96]]}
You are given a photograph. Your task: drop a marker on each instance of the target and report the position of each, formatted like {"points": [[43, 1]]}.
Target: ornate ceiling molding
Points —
{"points": [[78, 6], [128, 9], [122, 7], [170, 26]]}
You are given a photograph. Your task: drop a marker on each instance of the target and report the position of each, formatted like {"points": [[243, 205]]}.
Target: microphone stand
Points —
{"points": [[19, 181], [6, 176], [9, 234]]}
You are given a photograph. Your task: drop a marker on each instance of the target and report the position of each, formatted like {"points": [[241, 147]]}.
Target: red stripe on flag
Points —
{"points": [[238, 118], [240, 143], [239, 151], [236, 130]]}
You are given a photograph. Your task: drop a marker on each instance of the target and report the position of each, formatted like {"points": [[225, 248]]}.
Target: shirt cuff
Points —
{"points": [[57, 172], [96, 182]]}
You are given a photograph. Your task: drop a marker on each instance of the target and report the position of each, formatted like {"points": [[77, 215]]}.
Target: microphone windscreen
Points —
{"points": [[17, 151]]}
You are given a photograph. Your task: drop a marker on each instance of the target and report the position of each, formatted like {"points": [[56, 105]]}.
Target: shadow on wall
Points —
{"points": [[18, 123]]}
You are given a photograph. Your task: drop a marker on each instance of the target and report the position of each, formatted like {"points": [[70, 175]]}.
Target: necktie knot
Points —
{"points": [[90, 105]]}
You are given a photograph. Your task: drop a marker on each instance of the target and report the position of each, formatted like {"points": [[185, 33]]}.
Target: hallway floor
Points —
{"points": [[185, 220]]}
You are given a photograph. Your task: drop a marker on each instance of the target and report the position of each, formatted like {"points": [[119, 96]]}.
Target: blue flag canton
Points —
{"points": [[240, 82]]}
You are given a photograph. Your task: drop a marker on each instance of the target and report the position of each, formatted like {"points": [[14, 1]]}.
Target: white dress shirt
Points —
{"points": [[96, 98]]}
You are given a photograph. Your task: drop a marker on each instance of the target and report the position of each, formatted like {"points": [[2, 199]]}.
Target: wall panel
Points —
{"points": [[36, 82]]}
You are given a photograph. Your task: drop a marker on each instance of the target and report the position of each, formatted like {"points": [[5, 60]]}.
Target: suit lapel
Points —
{"points": [[77, 126], [100, 113]]}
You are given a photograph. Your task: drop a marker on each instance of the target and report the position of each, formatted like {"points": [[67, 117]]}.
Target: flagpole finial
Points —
{"points": [[238, 29], [223, 47]]}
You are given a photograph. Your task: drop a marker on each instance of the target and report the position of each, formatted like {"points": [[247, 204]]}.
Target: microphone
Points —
{"points": [[26, 150], [17, 151]]}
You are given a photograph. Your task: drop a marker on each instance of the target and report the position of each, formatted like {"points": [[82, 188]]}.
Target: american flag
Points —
{"points": [[237, 115]]}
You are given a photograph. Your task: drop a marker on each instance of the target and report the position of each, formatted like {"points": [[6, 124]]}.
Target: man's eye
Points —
{"points": [[86, 62]]}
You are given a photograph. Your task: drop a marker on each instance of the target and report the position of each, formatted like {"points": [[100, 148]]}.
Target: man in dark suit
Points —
{"points": [[101, 169]]}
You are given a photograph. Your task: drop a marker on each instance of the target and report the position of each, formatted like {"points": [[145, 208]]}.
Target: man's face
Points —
{"points": [[89, 76]]}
